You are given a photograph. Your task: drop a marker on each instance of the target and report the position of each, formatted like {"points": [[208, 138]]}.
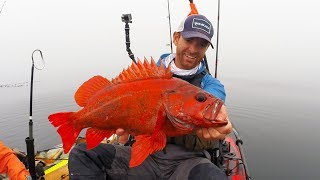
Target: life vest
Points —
{"points": [[11, 165]]}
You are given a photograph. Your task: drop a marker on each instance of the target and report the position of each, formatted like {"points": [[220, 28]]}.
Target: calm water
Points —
{"points": [[268, 62]]}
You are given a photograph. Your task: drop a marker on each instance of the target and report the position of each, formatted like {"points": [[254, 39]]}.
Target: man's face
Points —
{"points": [[189, 52]]}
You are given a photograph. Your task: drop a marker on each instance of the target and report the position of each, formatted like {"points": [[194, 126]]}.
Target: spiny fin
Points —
{"points": [[89, 88], [95, 136], [142, 71], [67, 131], [146, 145]]}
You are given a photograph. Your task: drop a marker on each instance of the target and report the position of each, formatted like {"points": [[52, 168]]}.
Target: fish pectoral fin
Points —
{"points": [[94, 136], [146, 145], [89, 88]]}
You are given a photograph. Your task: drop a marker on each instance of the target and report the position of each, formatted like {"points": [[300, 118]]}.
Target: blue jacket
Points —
{"points": [[208, 83]]}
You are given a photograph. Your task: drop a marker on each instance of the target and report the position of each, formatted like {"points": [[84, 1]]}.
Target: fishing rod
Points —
{"points": [[222, 144], [127, 18], [169, 21], [2, 7], [29, 140], [239, 141], [217, 43]]}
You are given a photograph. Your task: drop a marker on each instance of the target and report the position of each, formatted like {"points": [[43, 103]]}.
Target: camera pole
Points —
{"points": [[127, 18]]}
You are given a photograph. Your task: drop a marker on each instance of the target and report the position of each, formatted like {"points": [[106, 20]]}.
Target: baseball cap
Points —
{"points": [[196, 25]]}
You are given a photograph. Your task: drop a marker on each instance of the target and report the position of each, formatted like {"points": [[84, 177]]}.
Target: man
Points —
{"points": [[184, 157]]}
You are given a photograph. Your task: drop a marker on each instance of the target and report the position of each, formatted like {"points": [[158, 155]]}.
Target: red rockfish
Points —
{"points": [[144, 100]]}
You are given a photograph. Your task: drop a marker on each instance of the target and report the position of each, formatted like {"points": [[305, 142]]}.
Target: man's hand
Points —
{"points": [[123, 135], [216, 133]]}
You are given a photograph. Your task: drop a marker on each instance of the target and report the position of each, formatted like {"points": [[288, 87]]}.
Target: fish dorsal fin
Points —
{"points": [[142, 71], [89, 88]]}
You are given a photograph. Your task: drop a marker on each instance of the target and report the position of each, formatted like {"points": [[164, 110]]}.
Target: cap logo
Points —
{"points": [[201, 24]]}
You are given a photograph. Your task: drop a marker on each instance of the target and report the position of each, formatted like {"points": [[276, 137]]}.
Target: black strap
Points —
{"points": [[194, 79]]}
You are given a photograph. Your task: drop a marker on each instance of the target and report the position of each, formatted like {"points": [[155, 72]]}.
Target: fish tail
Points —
{"points": [[68, 133]]}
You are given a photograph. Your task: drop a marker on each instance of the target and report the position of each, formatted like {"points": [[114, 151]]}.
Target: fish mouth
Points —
{"points": [[211, 112], [180, 124]]}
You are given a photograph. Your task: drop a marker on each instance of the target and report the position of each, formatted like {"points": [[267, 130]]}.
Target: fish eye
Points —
{"points": [[201, 97]]}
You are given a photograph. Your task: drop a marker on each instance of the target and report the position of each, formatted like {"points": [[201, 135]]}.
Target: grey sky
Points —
{"points": [[81, 37], [84, 38]]}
